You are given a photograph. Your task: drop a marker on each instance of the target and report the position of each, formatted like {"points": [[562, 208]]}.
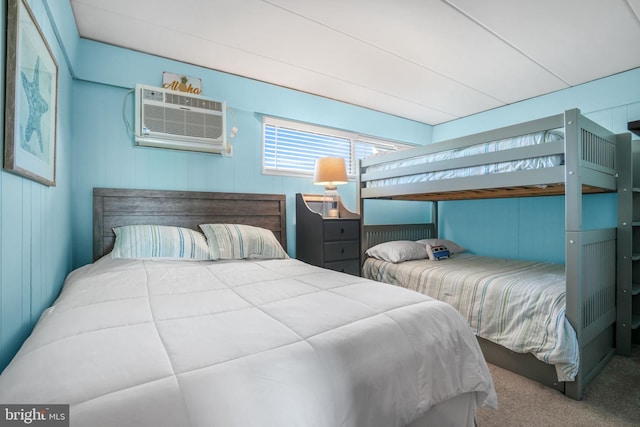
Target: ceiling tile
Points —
{"points": [[435, 36], [577, 40], [426, 60]]}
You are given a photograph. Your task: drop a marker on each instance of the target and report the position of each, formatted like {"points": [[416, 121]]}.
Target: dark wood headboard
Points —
{"points": [[114, 207]]}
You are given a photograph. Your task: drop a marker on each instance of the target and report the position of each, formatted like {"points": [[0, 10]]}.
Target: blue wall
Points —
{"points": [[533, 228], [104, 155], [35, 220], [47, 231], [94, 149]]}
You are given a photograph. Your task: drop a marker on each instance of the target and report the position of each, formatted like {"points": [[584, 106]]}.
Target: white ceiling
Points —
{"points": [[427, 60]]}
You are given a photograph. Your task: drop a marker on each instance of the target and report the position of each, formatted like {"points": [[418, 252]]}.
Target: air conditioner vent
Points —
{"points": [[205, 104], [168, 119]]}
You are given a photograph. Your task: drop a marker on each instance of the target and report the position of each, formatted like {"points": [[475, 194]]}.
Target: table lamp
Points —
{"points": [[330, 172]]}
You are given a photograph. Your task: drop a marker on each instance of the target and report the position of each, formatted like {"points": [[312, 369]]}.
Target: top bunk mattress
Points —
{"points": [[484, 169]]}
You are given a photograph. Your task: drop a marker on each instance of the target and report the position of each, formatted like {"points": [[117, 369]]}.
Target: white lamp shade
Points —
{"points": [[330, 171]]}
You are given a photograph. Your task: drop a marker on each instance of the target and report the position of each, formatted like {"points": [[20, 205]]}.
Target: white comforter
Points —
{"points": [[243, 343]]}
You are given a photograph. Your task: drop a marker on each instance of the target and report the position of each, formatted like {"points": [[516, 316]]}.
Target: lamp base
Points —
{"points": [[331, 203]]}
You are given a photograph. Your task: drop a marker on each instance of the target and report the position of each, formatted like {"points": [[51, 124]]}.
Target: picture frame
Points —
{"points": [[31, 98]]}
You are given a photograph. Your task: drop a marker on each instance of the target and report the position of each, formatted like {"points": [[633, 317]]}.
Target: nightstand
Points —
{"points": [[332, 243]]}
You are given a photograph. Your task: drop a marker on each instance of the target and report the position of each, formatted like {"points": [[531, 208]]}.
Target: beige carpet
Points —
{"points": [[612, 399]]}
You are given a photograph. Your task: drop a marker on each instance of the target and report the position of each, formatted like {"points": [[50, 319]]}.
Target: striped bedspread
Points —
{"points": [[517, 304]]}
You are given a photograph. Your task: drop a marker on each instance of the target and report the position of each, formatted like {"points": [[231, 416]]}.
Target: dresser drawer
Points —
{"points": [[342, 229], [337, 251], [350, 267]]}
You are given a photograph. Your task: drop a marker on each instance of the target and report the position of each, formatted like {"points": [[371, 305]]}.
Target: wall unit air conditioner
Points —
{"points": [[170, 119]]}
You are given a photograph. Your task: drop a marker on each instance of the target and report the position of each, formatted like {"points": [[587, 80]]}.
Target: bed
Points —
{"points": [[154, 332], [564, 154]]}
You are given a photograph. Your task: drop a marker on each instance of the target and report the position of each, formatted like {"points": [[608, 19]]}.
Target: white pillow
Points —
{"points": [[453, 247], [398, 251], [239, 241], [159, 242]]}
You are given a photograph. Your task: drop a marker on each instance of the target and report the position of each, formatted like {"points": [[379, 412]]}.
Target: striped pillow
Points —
{"points": [[160, 242], [239, 241]]}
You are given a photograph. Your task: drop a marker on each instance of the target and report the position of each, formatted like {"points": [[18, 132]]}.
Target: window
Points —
{"points": [[291, 148]]}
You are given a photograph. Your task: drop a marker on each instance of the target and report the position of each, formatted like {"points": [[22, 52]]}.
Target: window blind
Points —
{"points": [[291, 148]]}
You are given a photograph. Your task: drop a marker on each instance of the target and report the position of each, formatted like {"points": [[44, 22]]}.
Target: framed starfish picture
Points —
{"points": [[31, 98]]}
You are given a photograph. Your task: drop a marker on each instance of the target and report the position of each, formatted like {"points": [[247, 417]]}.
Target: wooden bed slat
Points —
{"points": [[497, 193], [271, 222], [150, 205]]}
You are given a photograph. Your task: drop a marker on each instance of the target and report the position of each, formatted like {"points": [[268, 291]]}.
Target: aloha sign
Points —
{"points": [[181, 83]]}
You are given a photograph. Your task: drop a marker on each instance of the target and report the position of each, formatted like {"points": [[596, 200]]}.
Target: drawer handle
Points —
{"points": [[342, 250], [342, 231]]}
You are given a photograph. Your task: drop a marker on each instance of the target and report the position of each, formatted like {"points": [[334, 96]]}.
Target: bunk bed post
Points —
{"points": [[573, 241], [359, 199], [625, 244], [360, 211], [434, 217], [573, 218]]}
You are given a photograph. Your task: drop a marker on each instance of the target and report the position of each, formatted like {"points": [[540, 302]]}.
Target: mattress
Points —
{"points": [[517, 304], [485, 169], [244, 343]]}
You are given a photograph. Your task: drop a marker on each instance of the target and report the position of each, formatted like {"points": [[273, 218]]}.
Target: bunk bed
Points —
{"points": [[564, 154]]}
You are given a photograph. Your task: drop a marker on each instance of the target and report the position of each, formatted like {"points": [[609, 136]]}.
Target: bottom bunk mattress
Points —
{"points": [[246, 343], [517, 304]]}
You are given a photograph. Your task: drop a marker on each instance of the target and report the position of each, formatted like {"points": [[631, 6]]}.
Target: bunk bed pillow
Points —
{"points": [[241, 241], [451, 246], [160, 242], [398, 251]]}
